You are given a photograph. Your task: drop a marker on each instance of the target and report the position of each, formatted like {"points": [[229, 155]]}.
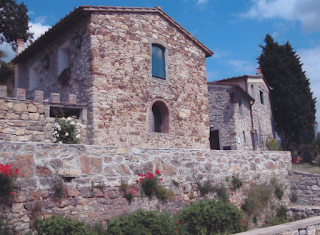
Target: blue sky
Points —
{"points": [[233, 30]]}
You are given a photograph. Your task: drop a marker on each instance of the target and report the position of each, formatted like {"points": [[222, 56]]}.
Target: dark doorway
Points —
{"points": [[214, 140]]}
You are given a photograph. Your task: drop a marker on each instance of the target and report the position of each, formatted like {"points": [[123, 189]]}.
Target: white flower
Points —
{"points": [[69, 118], [57, 135], [72, 123], [78, 136], [66, 134], [60, 142], [59, 128]]}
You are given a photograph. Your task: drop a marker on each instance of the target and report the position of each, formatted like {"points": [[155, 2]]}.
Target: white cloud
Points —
{"points": [[310, 59], [7, 48], [38, 29], [199, 2], [307, 12], [41, 19], [243, 66]]}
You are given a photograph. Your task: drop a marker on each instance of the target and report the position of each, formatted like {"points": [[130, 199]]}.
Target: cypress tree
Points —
{"points": [[292, 101]]}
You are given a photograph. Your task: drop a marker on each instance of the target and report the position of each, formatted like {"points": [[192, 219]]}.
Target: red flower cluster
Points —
{"points": [[242, 222], [7, 170], [150, 175]]}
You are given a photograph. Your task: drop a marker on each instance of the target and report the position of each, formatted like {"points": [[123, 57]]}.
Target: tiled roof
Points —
{"points": [[79, 12]]}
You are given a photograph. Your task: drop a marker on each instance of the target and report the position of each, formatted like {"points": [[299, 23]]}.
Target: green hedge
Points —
{"points": [[211, 217]]}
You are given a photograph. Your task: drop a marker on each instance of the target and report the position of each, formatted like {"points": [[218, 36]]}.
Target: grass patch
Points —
{"points": [[307, 167]]}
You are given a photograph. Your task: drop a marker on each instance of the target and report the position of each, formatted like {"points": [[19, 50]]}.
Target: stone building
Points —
{"points": [[240, 113], [140, 76]]}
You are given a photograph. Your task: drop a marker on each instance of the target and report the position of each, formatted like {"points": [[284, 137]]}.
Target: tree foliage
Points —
{"points": [[14, 22], [292, 101], [6, 69]]}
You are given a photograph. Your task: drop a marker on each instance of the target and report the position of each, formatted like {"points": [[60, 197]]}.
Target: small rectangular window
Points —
{"points": [[252, 91], [240, 107], [59, 112], [158, 62], [261, 97]]}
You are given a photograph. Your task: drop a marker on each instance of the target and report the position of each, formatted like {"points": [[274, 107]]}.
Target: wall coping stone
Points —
{"points": [[278, 229]]}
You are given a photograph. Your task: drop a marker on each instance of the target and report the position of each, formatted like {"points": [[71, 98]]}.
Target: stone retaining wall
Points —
{"points": [[306, 187], [85, 167]]}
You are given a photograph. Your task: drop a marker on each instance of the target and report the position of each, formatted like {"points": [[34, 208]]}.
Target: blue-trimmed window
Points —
{"points": [[158, 62]]}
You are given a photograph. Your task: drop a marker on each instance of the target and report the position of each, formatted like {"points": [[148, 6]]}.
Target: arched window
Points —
{"points": [[158, 61], [160, 117]]}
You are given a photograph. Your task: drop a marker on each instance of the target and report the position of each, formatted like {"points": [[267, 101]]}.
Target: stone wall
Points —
{"points": [[124, 89], [306, 187], [261, 113], [225, 116], [84, 166], [30, 120]]}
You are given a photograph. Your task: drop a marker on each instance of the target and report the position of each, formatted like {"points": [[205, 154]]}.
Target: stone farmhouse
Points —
{"points": [[134, 75], [240, 113]]}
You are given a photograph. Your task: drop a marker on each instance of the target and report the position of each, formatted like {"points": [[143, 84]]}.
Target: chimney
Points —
{"points": [[20, 46], [259, 71]]}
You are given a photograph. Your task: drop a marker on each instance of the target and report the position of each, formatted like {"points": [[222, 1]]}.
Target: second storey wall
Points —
{"points": [[124, 90]]}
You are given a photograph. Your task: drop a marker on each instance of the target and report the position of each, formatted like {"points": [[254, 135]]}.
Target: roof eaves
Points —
{"points": [[88, 9]]}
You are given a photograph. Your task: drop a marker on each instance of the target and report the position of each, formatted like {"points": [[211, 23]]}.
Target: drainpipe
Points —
{"points": [[253, 132]]}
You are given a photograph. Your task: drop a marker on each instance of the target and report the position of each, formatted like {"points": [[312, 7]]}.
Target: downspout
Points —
{"points": [[253, 132]]}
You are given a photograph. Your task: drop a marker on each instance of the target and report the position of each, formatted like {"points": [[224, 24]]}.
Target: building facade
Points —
{"points": [[240, 113], [140, 76]]}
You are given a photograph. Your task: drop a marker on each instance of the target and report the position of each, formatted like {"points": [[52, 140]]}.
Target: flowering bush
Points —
{"points": [[66, 131], [8, 175], [150, 185]]}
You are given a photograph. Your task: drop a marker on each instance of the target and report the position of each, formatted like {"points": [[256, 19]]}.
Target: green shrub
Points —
{"points": [[8, 175], [211, 217], [316, 161], [273, 144], [57, 186], [142, 222], [258, 197], [280, 217], [57, 225], [222, 192], [236, 183], [278, 191], [205, 188], [294, 196], [151, 187], [5, 227]]}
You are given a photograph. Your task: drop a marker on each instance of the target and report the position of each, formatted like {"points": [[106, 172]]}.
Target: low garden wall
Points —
{"points": [[93, 174], [30, 120], [306, 187]]}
